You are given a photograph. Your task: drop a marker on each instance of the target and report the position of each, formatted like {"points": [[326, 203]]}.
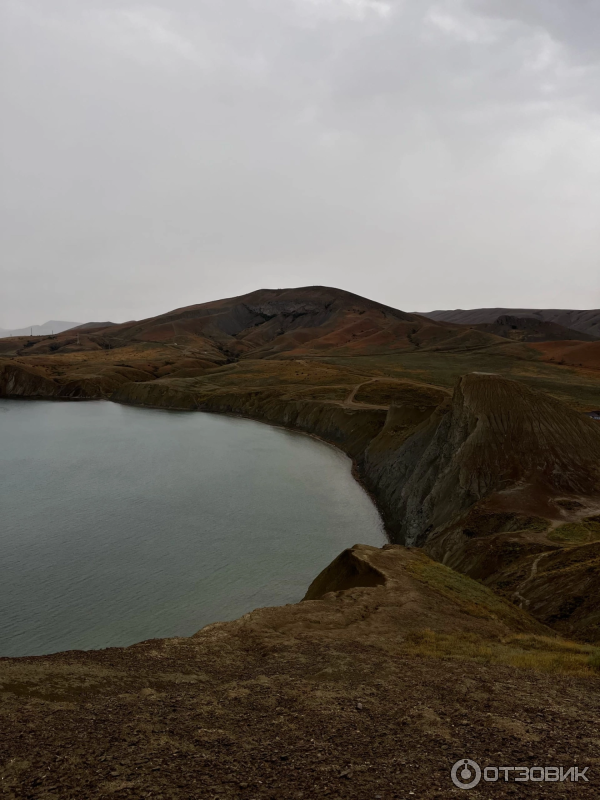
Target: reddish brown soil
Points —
{"points": [[577, 354]]}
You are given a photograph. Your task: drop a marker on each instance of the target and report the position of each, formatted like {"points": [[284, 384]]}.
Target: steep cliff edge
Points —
{"points": [[338, 696], [19, 381], [495, 437], [502, 484]]}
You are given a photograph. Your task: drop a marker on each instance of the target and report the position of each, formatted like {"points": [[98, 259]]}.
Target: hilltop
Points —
{"points": [[310, 323]]}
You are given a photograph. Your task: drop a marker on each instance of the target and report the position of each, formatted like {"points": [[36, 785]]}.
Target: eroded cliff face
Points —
{"points": [[428, 458], [496, 436], [19, 381], [30, 380]]}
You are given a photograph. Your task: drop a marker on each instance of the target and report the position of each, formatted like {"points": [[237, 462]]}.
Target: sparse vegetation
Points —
{"points": [[472, 597], [540, 653], [588, 530]]}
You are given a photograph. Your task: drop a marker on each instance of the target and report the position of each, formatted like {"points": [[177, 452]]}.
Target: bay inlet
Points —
{"points": [[120, 524]]}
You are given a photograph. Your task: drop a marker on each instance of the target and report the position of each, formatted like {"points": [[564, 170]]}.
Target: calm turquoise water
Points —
{"points": [[121, 524]]}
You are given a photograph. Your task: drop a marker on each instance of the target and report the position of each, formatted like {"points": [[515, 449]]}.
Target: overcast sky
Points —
{"points": [[425, 154]]}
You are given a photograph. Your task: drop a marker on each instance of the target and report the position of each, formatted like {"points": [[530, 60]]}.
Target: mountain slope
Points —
{"points": [[308, 321], [583, 321], [532, 329], [271, 321], [495, 437]]}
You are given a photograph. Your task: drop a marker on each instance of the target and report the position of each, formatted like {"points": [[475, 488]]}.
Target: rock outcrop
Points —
{"points": [[17, 380]]}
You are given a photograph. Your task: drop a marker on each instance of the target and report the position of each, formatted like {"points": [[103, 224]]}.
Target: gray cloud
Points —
{"points": [[426, 154]]}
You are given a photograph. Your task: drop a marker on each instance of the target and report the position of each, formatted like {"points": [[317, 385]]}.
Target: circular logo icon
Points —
{"points": [[466, 774]]}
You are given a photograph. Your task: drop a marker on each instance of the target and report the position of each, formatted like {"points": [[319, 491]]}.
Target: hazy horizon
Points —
{"points": [[46, 323], [428, 155]]}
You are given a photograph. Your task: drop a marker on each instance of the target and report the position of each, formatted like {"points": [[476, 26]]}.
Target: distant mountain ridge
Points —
{"points": [[585, 321], [52, 326]]}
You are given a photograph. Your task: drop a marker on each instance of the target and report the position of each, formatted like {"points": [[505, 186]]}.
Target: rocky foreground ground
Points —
{"points": [[400, 668]]}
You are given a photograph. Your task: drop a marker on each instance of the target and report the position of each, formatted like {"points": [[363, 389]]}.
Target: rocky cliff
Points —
{"points": [[20, 381], [496, 436]]}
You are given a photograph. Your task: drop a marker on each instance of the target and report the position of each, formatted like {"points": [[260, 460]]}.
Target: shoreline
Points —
{"points": [[354, 469], [354, 465], [288, 429]]}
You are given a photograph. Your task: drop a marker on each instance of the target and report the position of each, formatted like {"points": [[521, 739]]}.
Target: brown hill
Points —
{"points": [[586, 355], [531, 329], [309, 320], [304, 323], [266, 321], [93, 326], [312, 320], [583, 321]]}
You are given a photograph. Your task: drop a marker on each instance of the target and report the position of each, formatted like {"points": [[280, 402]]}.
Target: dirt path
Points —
{"points": [[349, 401], [523, 601]]}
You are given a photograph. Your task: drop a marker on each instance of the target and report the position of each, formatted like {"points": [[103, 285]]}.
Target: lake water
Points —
{"points": [[121, 524]]}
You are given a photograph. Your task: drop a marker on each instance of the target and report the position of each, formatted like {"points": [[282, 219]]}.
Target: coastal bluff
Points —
{"points": [[364, 691]]}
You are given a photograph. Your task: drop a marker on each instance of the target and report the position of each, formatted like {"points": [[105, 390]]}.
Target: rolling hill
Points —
{"points": [[582, 321]]}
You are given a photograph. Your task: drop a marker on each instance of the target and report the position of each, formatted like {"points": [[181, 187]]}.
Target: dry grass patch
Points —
{"points": [[588, 530], [525, 651], [472, 597]]}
